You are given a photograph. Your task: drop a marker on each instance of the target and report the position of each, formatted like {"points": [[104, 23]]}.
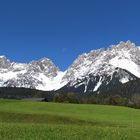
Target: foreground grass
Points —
{"points": [[63, 132], [25, 120]]}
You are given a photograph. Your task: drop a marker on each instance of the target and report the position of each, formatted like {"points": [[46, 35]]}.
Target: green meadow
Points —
{"points": [[28, 120]]}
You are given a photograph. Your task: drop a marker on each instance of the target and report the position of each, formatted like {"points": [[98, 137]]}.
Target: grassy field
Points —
{"points": [[26, 120]]}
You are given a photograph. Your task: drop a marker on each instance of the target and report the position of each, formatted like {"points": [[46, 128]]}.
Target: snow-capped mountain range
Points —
{"points": [[41, 74], [95, 71]]}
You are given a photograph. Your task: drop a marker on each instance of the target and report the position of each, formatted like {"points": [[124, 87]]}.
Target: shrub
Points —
{"points": [[66, 97], [57, 98], [136, 100]]}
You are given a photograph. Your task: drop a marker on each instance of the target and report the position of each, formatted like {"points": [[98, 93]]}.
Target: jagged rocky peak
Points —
{"points": [[97, 52], [44, 65], [41, 74], [102, 66], [95, 58], [123, 45], [4, 62], [123, 49]]}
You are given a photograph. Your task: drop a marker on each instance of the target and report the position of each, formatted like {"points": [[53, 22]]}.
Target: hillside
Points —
{"points": [[38, 120]]}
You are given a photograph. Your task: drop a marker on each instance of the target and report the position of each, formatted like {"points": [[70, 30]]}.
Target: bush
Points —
{"points": [[136, 101], [114, 100], [71, 98], [67, 98], [58, 98]]}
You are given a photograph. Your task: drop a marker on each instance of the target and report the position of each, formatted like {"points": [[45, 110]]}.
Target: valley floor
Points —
{"points": [[27, 120]]}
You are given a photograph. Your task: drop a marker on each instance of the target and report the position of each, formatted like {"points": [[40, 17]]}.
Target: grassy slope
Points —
{"points": [[38, 120]]}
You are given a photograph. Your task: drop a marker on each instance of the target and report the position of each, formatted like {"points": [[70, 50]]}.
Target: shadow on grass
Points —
{"points": [[9, 117]]}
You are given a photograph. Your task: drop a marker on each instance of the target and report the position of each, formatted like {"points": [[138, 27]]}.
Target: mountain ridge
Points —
{"points": [[90, 72]]}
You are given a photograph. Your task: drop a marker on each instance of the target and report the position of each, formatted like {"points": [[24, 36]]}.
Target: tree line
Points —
{"points": [[71, 97]]}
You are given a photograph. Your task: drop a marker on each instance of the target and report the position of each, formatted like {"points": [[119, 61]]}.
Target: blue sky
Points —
{"points": [[63, 29]]}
